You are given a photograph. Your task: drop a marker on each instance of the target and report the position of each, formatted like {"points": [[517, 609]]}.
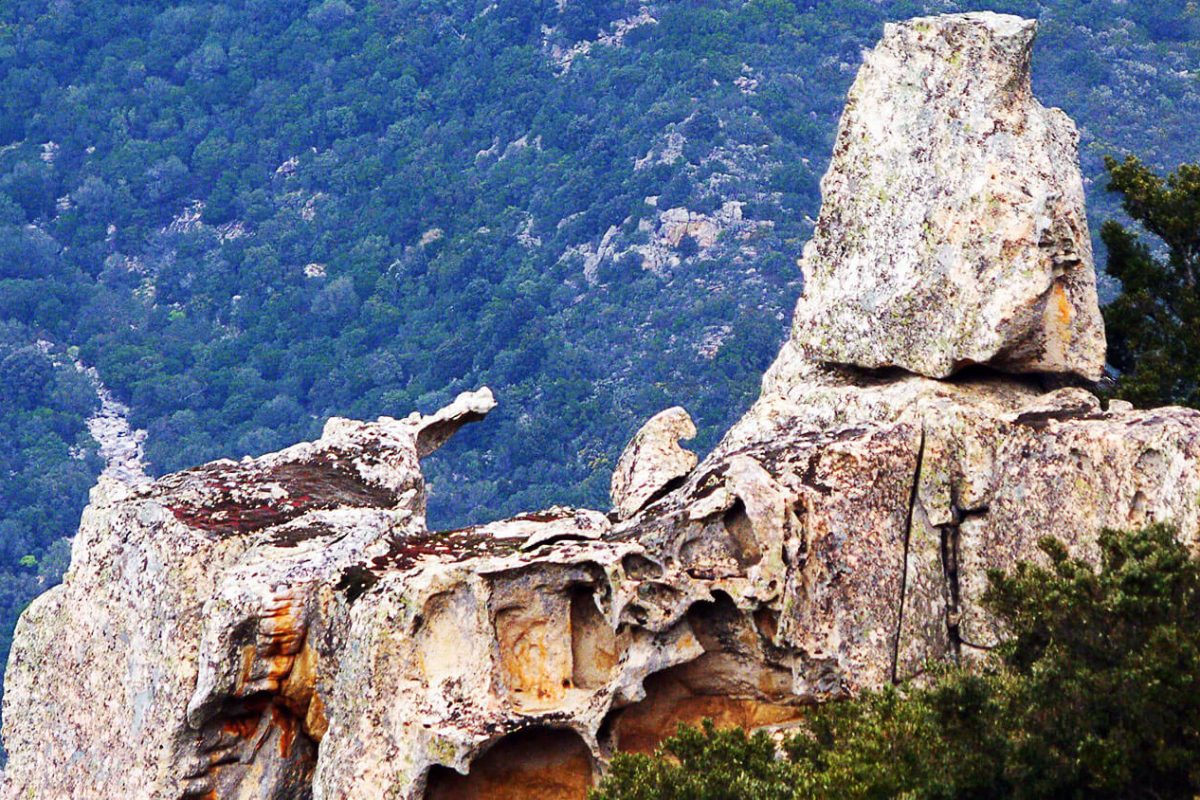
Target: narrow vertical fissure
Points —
{"points": [[950, 539], [908, 526]]}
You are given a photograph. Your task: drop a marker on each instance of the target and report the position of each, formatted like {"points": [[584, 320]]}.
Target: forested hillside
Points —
{"points": [[250, 216]]}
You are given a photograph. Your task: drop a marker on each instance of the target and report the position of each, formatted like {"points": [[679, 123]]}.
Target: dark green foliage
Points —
{"points": [[1154, 324], [1107, 697], [705, 764], [47, 464], [1093, 694]]}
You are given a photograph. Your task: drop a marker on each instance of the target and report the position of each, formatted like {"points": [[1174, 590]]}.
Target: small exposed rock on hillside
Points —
{"points": [[287, 627]]}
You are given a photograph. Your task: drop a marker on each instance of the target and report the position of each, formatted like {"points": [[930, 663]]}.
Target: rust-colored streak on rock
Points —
{"points": [[531, 765], [248, 653], [242, 726], [285, 634], [1063, 304], [287, 726], [299, 694]]}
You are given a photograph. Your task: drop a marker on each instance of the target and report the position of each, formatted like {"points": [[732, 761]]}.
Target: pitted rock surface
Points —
{"points": [[952, 230], [837, 540]]}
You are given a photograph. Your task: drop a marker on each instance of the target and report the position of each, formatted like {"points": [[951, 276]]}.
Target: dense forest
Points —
{"points": [[250, 216]]}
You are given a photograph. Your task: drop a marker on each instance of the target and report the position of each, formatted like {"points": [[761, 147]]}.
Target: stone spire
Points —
{"points": [[952, 230]]}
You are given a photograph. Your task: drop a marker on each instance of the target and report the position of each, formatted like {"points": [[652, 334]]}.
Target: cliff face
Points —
{"points": [[287, 626]]}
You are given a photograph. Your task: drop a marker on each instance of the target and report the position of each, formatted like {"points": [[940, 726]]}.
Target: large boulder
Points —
{"points": [[952, 230]]}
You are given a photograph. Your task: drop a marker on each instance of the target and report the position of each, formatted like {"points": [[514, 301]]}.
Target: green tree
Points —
{"points": [[1154, 325]]}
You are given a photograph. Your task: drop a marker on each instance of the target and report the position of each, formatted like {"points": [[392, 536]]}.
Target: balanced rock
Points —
{"points": [[952, 230], [652, 460]]}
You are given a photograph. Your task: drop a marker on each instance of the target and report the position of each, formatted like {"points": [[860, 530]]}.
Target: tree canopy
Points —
{"points": [[1154, 324]]}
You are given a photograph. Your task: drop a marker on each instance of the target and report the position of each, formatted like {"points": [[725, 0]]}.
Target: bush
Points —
{"points": [[1093, 694]]}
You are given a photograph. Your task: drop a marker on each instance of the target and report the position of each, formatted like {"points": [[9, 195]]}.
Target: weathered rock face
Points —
{"points": [[994, 464], [652, 460], [952, 230], [180, 656], [287, 627]]}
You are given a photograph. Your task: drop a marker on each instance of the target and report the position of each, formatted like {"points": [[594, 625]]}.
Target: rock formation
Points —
{"points": [[952, 230], [287, 627], [652, 461]]}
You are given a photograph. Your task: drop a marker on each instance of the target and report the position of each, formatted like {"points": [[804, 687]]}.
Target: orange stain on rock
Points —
{"points": [[281, 635], [248, 653], [316, 724], [640, 728], [530, 765], [284, 638], [243, 726], [286, 724], [1063, 305], [535, 655], [299, 693]]}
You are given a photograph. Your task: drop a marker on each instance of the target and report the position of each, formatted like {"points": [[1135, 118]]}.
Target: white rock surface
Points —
{"points": [[121, 446], [952, 230]]}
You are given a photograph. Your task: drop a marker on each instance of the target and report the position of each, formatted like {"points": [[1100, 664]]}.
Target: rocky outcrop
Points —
{"points": [[952, 230], [652, 461], [180, 656], [287, 627]]}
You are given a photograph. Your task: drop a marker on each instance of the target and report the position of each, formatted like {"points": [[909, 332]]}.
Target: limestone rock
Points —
{"points": [[652, 460], [952, 230]]}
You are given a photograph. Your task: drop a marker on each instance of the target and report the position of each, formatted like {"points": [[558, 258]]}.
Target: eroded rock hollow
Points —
{"points": [[287, 627]]}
